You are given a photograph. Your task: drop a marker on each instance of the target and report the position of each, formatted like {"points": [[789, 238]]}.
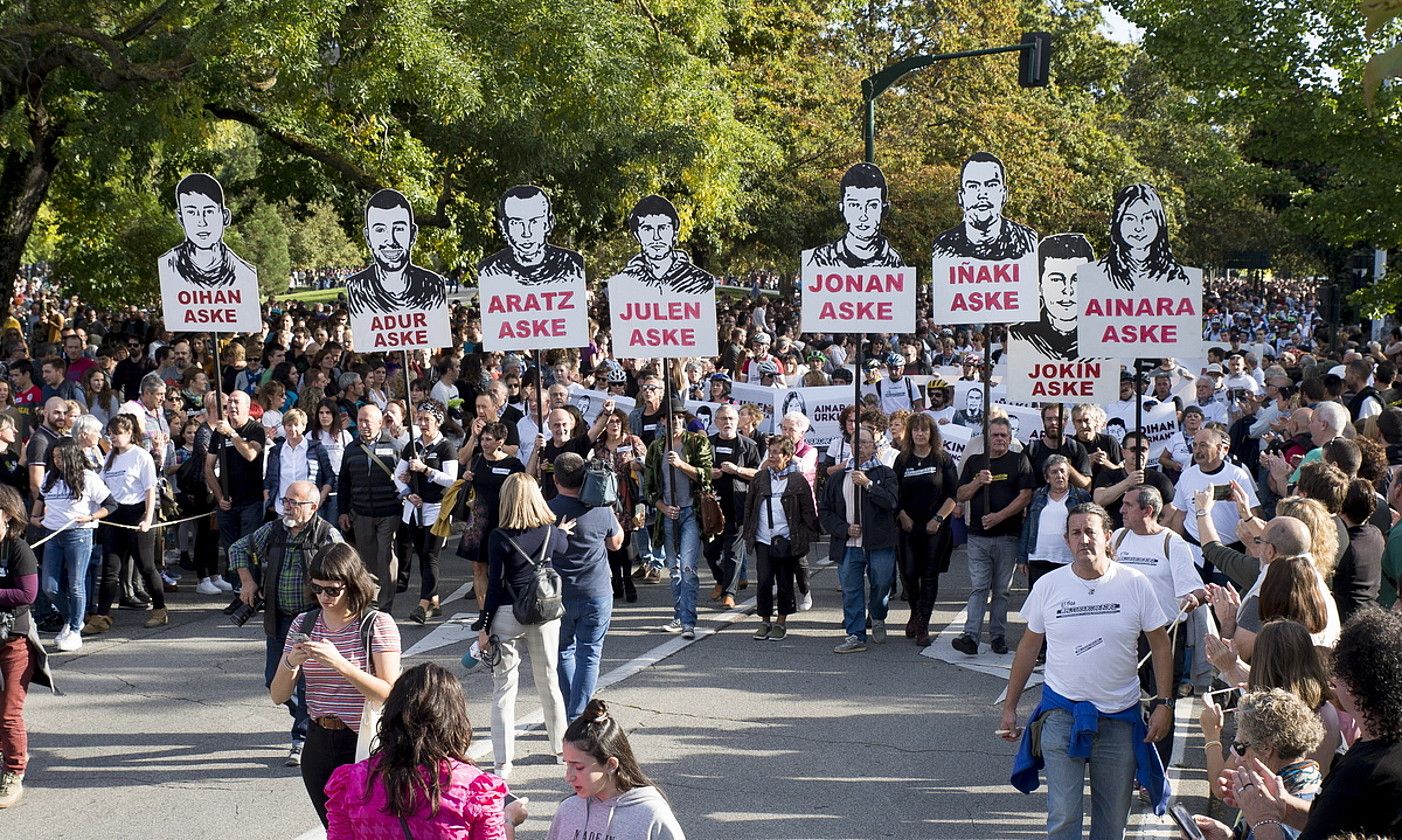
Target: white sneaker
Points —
{"points": [[672, 626], [63, 635], [208, 587], [71, 642], [224, 585], [806, 602]]}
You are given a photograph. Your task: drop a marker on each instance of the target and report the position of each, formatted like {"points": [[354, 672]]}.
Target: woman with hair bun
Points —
{"points": [[613, 797]]}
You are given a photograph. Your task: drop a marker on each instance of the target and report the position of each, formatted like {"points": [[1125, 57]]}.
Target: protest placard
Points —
{"points": [[395, 305], [204, 285], [766, 400], [956, 440], [1031, 376], [1137, 301], [858, 283], [532, 292]]}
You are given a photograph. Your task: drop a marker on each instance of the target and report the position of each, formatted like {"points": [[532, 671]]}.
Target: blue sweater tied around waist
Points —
{"points": [[1148, 772]]}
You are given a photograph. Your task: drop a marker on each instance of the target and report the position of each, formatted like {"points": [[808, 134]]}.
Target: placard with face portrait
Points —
{"points": [[984, 270], [205, 286], [1043, 359], [858, 283], [395, 305], [1136, 301], [532, 292], [661, 305]]}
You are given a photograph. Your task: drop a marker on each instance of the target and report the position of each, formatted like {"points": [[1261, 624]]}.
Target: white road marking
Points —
{"points": [[984, 662]]}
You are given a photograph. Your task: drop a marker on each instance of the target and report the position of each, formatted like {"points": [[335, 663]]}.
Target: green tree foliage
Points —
{"points": [[316, 238], [261, 238]]}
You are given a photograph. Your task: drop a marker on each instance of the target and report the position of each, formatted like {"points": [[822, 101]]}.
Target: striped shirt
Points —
{"points": [[329, 693]]}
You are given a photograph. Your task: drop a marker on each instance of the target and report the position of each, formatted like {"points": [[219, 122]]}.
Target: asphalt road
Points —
{"points": [[170, 734]]}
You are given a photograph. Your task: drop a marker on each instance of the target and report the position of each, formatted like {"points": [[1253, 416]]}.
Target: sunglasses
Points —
{"points": [[1240, 748], [328, 591]]}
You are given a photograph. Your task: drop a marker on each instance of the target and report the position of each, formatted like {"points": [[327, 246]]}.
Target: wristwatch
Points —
{"points": [[937, 519], [1160, 701]]}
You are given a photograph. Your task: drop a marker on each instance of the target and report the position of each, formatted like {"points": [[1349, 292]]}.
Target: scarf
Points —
{"points": [[776, 475], [874, 462], [221, 275]]}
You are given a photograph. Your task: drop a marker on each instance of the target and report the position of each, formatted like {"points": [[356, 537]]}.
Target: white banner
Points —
{"points": [[1160, 426], [766, 399], [1026, 422], [956, 440], [188, 307], [383, 332], [974, 291], [394, 304], [823, 406], [1155, 319], [850, 300], [655, 321], [590, 402], [206, 287]]}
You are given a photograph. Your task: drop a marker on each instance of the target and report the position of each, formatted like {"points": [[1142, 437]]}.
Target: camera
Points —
{"points": [[244, 612]]}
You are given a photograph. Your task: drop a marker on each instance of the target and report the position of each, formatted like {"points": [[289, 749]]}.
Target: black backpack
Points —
{"points": [[541, 600]]}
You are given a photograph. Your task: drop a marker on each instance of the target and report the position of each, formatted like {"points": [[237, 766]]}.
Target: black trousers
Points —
{"points": [[621, 568], [723, 556], [125, 545], [325, 750], [771, 568], [922, 557], [420, 542]]}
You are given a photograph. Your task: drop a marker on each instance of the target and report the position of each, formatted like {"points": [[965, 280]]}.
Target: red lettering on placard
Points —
{"points": [[1140, 307], [190, 297], [401, 338], [533, 302], [1066, 370], [983, 273], [663, 337], [210, 316], [864, 283], [1140, 334], [398, 321], [532, 328], [846, 310], [984, 301], [1055, 388]]}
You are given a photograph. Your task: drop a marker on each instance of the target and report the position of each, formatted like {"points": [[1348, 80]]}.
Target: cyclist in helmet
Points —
{"points": [[897, 391], [720, 389]]}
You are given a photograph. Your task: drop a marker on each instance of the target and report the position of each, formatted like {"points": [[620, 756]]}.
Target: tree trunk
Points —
{"points": [[25, 176]]}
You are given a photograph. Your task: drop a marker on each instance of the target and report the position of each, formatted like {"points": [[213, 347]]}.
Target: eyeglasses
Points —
{"points": [[297, 503], [328, 591], [1257, 541], [1240, 748], [651, 388]]}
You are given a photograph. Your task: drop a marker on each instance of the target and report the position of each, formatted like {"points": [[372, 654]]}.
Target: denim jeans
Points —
{"points": [[683, 552], [991, 564], [1111, 779], [66, 560], [272, 659], [649, 556], [861, 566], [582, 630]]}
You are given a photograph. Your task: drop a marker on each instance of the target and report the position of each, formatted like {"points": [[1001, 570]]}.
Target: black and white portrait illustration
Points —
{"points": [[525, 220], [794, 401], [863, 204], [970, 408], [202, 259], [985, 233], [1054, 334], [204, 284], [1140, 253], [659, 263], [392, 283]]}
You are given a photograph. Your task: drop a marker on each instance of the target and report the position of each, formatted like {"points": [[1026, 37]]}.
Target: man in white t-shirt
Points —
{"points": [[1210, 469], [1167, 561], [1213, 409], [1091, 614], [1238, 378]]}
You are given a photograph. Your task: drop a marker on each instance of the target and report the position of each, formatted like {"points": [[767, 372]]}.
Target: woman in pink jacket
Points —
{"points": [[420, 784]]}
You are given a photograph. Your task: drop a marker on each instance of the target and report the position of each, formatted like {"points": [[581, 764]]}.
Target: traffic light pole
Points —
{"points": [[1032, 72]]}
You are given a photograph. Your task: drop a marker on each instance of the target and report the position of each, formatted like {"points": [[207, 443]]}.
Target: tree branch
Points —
{"points": [[339, 163], [120, 68], [141, 27]]}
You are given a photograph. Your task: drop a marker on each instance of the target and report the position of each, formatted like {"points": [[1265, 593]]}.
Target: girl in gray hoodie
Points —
{"points": [[613, 798]]}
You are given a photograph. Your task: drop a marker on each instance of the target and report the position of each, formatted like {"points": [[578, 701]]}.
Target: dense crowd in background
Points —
{"points": [[308, 483]]}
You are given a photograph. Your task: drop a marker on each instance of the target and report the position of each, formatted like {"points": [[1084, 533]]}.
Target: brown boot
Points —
{"points": [[97, 624], [717, 592], [159, 618], [910, 625], [922, 632]]}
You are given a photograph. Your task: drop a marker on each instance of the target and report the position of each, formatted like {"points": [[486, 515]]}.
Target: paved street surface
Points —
{"points": [[170, 734]]}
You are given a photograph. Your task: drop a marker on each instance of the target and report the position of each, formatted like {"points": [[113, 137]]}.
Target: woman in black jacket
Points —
{"points": [[780, 525], [927, 480]]}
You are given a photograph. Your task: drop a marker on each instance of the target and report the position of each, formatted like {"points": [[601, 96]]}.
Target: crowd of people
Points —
{"points": [[306, 483]]}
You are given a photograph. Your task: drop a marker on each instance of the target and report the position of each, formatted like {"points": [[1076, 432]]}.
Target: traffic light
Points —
{"points": [[1034, 64]]}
